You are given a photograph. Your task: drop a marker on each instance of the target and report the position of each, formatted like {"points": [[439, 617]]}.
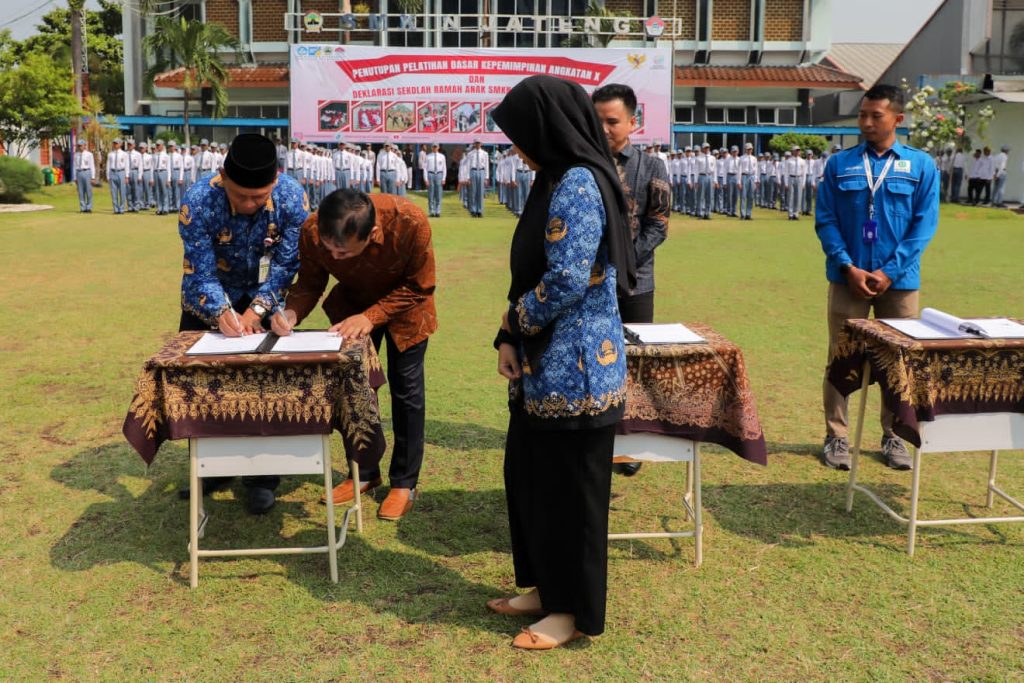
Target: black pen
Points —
{"points": [[280, 309], [631, 336]]}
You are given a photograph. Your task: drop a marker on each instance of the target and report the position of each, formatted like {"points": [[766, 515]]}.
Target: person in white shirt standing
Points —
{"points": [[177, 176], [1000, 162], [435, 172], [733, 181], [117, 169], [134, 180], [387, 169], [189, 159], [748, 182], [162, 179], [149, 192], [705, 179], [795, 170], [957, 180], [85, 169], [479, 167], [810, 183]]}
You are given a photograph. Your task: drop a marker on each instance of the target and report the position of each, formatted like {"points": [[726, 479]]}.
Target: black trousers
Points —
{"points": [[557, 486], [408, 411], [637, 308], [189, 322]]}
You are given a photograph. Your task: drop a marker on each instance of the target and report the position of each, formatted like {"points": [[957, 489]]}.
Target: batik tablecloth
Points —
{"points": [[920, 379], [272, 394], [695, 391]]}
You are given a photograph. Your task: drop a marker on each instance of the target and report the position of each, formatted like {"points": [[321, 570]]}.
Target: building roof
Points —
{"points": [[807, 76], [262, 76], [867, 60]]}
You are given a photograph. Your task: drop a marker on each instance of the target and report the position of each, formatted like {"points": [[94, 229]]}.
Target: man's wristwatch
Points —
{"points": [[845, 268], [258, 310]]}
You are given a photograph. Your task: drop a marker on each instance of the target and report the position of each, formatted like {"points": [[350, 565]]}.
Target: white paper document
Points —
{"points": [[673, 333], [935, 324], [301, 341], [217, 343]]}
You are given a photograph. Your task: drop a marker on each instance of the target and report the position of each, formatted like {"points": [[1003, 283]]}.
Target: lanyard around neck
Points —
{"points": [[873, 186]]}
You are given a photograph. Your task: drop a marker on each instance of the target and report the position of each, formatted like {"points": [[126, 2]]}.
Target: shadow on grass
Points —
{"points": [[792, 515], [151, 528], [463, 436]]}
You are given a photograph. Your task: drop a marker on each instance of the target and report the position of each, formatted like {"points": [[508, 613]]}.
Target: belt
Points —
{"points": [[702, 174], [433, 173], [746, 174]]}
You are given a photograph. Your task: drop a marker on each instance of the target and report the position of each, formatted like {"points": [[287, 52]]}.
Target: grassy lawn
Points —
{"points": [[93, 560]]}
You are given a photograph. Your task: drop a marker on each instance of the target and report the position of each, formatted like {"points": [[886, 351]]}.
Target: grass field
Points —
{"points": [[93, 560]]}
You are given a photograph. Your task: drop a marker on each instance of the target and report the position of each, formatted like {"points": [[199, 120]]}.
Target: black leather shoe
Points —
{"points": [[210, 484], [626, 469], [260, 500]]}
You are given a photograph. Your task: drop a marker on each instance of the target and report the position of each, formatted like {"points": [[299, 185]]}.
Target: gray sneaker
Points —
{"points": [[896, 455], [836, 453]]}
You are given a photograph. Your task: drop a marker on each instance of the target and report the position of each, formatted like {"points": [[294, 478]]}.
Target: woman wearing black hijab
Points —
{"points": [[561, 348]]}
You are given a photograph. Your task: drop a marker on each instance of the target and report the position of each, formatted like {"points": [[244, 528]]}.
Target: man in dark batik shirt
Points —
{"points": [[648, 193]]}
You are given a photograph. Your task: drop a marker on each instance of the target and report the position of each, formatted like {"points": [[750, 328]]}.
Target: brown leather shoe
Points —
{"points": [[531, 640], [397, 503], [346, 490], [501, 606]]}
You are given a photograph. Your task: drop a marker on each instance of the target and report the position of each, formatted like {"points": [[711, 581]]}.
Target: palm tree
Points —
{"points": [[196, 47]]}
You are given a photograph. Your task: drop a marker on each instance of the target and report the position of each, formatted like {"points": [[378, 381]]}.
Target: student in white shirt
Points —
{"points": [[1000, 161], [435, 172], [117, 170], [85, 169]]}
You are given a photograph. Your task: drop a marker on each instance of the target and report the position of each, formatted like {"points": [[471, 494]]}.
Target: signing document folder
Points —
{"points": [[934, 324], [674, 333], [299, 341]]}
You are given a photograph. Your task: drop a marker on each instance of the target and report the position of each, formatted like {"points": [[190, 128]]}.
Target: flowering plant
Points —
{"points": [[940, 120]]}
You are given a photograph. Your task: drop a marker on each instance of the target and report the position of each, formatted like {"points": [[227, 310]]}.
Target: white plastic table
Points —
{"points": [[264, 455]]}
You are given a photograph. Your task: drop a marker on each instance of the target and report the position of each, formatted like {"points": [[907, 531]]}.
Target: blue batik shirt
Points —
{"points": [[223, 249], [906, 210], [580, 379]]}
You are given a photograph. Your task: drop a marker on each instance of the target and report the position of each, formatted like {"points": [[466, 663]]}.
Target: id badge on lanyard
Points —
{"points": [[869, 229]]}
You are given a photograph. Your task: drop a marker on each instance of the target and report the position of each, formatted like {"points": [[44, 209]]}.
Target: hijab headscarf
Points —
{"points": [[554, 123]]}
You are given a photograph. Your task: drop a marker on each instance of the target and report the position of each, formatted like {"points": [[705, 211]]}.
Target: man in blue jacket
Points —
{"points": [[878, 207]]}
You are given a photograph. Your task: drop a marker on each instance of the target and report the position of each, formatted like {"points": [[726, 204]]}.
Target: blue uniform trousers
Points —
{"points": [[117, 191], [83, 179], [163, 192], [746, 195], [434, 193], [476, 191]]}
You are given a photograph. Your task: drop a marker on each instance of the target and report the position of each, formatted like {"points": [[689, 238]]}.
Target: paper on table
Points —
{"points": [[998, 328], [673, 333], [935, 324], [922, 329], [217, 343], [308, 340]]}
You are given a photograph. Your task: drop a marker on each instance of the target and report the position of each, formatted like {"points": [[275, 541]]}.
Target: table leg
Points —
{"points": [[698, 513], [858, 434], [689, 489], [914, 487], [359, 497], [332, 538], [195, 493], [991, 477]]}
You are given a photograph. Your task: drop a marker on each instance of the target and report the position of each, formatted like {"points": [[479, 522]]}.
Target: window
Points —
{"points": [[787, 117], [684, 114], [737, 115], [766, 116], [715, 115]]}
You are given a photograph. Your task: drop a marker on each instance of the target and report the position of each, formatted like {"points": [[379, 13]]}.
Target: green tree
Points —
{"points": [[104, 47], [35, 102], [196, 47], [786, 141]]}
